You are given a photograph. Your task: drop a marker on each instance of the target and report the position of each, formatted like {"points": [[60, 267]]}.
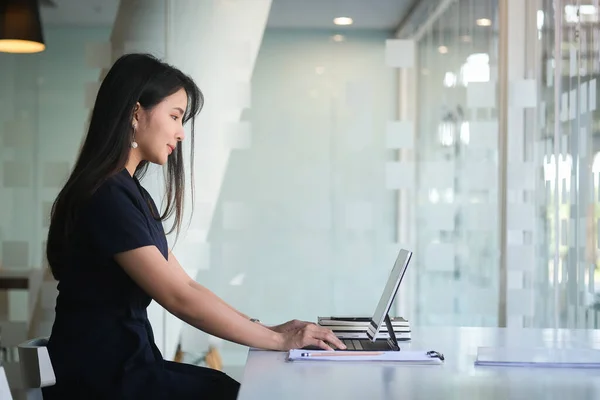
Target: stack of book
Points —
{"points": [[356, 327]]}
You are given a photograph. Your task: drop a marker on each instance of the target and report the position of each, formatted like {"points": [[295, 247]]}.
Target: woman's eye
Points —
{"points": [[175, 117]]}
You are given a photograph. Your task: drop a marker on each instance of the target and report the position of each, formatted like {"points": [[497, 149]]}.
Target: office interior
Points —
{"points": [[334, 133]]}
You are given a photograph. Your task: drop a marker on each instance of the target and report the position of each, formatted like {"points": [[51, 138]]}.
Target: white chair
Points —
{"points": [[36, 368]]}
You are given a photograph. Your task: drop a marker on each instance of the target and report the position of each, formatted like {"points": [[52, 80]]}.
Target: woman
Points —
{"points": [[108, 250]]}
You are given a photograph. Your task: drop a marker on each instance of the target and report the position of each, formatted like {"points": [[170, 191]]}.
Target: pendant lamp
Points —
{"points": [[20, 27]]}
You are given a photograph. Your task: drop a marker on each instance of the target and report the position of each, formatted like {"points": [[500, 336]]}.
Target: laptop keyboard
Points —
{"points": [[358, 345], [362, 345]]}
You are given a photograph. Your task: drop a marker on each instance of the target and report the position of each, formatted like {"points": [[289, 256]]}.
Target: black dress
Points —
{"points": [[102, 345]]}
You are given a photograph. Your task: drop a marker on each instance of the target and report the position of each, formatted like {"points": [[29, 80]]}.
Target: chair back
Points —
{"points": [[4, 388], [36, 368]]}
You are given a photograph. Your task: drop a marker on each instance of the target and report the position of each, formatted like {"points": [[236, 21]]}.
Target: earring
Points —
{"points": [[134, 144]]}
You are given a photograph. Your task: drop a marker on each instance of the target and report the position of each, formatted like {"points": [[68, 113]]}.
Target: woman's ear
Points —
{"points": [[136, 113]]}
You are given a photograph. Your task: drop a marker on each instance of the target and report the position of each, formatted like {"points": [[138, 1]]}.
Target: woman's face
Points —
{"points": [[158, 131]]}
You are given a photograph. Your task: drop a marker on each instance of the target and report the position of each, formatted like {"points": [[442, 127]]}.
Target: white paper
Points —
{"points": [[538, 357], [411, 357]]}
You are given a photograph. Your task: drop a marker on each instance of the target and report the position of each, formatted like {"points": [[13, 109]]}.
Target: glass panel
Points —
{"points": [[456, 194], [553, 177], [573, 204]]}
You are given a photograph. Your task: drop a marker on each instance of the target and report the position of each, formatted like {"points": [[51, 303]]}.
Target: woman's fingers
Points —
{"points": [[335, 341], [327, 335], [323, 335], [321, 344]]}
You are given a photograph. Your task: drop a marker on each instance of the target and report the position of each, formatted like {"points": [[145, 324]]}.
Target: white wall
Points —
{"points": [[304, 225]]}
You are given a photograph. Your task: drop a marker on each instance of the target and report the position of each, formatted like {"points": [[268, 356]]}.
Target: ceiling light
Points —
{"points": [[484, 22], [343, 21], [20, 27], [443, 49], [338, 38]]}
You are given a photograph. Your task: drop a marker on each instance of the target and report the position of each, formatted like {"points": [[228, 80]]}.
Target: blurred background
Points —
{"points": [[335, 132]]}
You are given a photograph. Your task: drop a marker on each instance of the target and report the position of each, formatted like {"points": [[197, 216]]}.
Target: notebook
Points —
{"points": [[538, 357], [407, 357], [359, 321], [357, 327]]}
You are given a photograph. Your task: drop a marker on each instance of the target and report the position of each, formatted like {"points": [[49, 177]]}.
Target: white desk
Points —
{"points": [[268, 376]]}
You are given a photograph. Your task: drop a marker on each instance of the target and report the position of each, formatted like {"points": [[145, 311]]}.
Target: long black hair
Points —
{"points": [[133, 78]]}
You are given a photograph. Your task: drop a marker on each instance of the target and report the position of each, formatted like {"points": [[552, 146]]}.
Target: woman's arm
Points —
{"points": [[173, 263], [285, 327], [171, 288]]}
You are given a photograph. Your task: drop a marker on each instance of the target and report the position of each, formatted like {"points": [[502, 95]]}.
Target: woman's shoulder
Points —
{"points": [[119, 188]]}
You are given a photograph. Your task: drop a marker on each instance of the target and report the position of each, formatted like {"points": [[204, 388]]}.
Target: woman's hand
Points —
{"points": [[310, 335], [289, 326]]}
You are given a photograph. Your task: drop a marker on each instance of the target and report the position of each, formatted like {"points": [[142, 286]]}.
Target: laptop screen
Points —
{"points": [[391, 288]]}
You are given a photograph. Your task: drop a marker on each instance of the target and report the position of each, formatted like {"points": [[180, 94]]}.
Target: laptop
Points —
{"points": [[381, 314]]}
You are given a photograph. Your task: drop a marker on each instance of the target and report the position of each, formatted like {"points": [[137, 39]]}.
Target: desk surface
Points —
{"points": [[268, 376]]}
